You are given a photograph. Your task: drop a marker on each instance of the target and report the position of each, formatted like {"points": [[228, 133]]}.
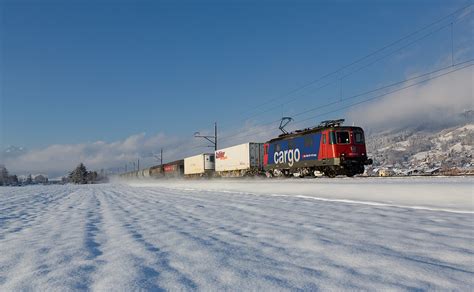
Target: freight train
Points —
{"points": [[329, 148]]}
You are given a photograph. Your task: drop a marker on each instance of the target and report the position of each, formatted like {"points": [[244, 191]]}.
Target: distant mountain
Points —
{"points": [[423, 147], [13, 151]]}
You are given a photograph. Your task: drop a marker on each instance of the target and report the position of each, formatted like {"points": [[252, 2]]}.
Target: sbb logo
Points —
{"points": [[288, 156]]}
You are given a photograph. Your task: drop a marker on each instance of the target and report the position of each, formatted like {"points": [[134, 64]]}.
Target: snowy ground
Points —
{"points": [[328, 234]]}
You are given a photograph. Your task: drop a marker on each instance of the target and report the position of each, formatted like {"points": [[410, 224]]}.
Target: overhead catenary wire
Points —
{"points": [[458, 11], [336, 110], [457, 67], [464, 64], [348, 74], [390, 53], [429, 33], [452, 44], [357, 95], [391, 92], [383, 87], [344, 69]]}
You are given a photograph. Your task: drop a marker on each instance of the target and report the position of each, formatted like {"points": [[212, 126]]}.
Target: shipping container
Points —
{"points": [[240, 160], [146, 172], [174, 169], [156, 171], [199, 165]]}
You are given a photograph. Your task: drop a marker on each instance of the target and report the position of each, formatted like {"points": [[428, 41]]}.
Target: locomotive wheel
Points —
{"points": [[330, 173]]}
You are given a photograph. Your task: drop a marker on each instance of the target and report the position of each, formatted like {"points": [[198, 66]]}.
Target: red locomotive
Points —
{"points": [[329, 148]]}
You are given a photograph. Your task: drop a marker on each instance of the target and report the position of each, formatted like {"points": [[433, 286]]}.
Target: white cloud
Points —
{"points": [[435, 103], [56, 160]]}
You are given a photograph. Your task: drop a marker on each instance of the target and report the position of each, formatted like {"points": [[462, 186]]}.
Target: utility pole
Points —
{"points": [[158, 158], [215, 136], [138, 164], [212, 139]]}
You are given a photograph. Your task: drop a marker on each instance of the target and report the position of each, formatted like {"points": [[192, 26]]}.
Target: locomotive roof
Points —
{"points": [[303, 132]]}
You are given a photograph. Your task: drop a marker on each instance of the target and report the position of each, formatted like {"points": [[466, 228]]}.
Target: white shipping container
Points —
{"points": [[248, 156], [199, 164]]}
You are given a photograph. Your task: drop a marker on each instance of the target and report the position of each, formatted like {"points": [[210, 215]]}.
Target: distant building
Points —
{"points": [[40, 179], [385, 172]]}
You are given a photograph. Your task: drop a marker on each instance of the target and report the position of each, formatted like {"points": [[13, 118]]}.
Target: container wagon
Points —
{"points": [[239, 160], [156, 171], [145, 173], [199, 165], [174, 169]]}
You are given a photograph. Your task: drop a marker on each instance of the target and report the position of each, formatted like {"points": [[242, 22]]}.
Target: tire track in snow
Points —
{"points": [[14, 219], [171, 232], [89, 221], [128, 262], [159, 257], [202, 240], [92, 229], [48, 250], [395, 254], [240, 198], [115, 237]]}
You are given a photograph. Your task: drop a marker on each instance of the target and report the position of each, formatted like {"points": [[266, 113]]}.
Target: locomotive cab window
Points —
{"points": [[332, 138], [359, 137], [324, 138], [211, 158], [342, 137]]}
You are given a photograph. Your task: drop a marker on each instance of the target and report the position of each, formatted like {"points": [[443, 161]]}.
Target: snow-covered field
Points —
{"points": [[328, 234]]}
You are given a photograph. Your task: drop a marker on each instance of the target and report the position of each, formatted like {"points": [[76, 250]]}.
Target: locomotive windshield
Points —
{"points": [[359, 137], [342, 137]]}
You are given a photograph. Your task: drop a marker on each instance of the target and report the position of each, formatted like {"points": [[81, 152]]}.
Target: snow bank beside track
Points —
{"points": [[452, 194]]}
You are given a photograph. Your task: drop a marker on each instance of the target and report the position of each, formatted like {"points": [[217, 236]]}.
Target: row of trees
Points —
{"points": [[6, 179], [80, 175]]}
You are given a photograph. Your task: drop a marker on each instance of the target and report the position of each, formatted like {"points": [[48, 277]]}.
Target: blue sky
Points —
{"points": [[84, 71]]}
